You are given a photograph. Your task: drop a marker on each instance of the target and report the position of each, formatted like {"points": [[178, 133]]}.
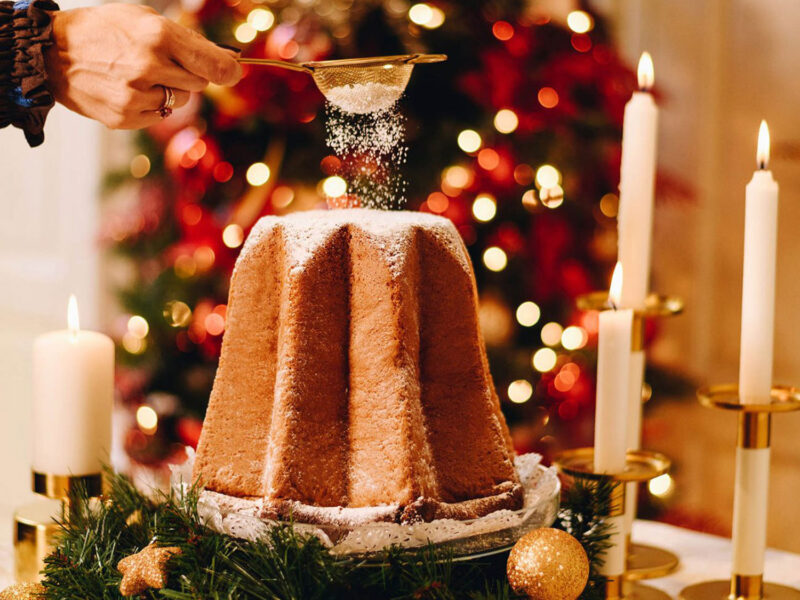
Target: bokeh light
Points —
{"points": [[426, 15], [495, 258], [544, 359], [552, 197], [260, 19], [661, 486], [488, 159], [140, 166], [506, 120], [457, 177], [245, 33], [334, 186], [551, 333], [177, 313], [503, 30], [133, 344], [484, 208], [548, 97], [258, 174], [609, 205], [574, 337], [138, 326], [547, 176], [469, 140], [438, 202], [147, 419], [421, 14], [520, 391], [580, 21], [232, 235], [282, 196], [214, 323], [528, 314]]}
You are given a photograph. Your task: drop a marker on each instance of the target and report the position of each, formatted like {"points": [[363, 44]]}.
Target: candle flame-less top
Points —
{"points": [[762, 154], [73, 321], [646, 72], [615, 293]]}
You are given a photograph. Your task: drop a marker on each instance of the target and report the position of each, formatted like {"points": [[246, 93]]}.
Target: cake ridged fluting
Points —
{"points": [[353, 383]]}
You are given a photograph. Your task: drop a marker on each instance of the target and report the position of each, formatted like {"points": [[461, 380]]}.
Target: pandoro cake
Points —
{"points": [[353, 383]]}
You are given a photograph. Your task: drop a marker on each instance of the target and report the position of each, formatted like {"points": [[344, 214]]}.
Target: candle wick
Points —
{"points": [[762, 165], [612, 304]]}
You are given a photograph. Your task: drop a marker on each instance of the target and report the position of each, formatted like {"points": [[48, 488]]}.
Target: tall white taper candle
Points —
{"points": [[610, 423], [755, 359], [73, 392], [634, 234]]}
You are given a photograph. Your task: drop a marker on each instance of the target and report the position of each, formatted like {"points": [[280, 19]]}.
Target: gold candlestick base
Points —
{"points": [[61, 487], [721, 590], [619, 588], [641, 465], [754, 433], [649, 562], [34, 524], [34, 529]]}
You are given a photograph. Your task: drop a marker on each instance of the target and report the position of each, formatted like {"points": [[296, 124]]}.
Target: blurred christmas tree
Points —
{"points": [[515, 138]]}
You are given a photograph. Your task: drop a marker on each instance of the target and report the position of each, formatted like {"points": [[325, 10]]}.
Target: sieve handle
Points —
{"points": [[427, 58], [281, 64]]}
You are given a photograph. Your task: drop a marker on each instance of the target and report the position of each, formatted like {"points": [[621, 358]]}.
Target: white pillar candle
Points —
{"points": [[755, 359], [611, 413], [73, 393], [636, 188]]}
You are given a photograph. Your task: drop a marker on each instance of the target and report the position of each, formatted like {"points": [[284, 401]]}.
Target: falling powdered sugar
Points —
{"points": [[367, 133]]}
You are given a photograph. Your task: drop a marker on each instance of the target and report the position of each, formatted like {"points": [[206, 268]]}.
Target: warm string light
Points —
{"points": [[762, 153]]}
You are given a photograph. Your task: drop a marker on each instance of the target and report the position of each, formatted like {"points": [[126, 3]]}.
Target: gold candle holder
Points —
{"points": [[34, 523], [755, 423], [644, 561], [641, 465]]}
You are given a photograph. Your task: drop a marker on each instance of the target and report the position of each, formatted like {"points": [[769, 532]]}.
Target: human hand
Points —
{"points": [[109, 63]]}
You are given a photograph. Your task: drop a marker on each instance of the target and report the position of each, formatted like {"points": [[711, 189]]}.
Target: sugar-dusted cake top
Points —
{"points": [[305, 231]]}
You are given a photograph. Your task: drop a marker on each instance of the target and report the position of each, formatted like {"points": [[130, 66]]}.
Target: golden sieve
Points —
{"points": [[338, 80]]}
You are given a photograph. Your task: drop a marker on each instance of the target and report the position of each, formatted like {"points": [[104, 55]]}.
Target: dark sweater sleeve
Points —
{"points": [[25, 33]]}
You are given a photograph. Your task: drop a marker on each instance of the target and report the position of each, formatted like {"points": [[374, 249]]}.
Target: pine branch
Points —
{"points": [[283, 565]]}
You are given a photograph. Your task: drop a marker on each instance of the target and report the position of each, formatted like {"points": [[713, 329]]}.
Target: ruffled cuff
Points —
{"points": [[25, 33]]}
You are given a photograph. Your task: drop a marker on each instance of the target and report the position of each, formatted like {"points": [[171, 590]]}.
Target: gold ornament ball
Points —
{"points": [[548, 564]]}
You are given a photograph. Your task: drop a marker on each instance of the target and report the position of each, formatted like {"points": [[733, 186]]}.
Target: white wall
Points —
{"points": [[48, 249]]}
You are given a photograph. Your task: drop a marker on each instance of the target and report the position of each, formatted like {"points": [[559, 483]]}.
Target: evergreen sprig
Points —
{"points": [[283, 565]]}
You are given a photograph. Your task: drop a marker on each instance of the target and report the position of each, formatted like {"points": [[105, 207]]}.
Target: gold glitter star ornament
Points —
{"points": [[548, 564], [23, 591], [145, 569]]}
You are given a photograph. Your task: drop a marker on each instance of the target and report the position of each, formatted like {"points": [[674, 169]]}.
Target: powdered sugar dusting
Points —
{"points": [[307, 231], [362, 98]]}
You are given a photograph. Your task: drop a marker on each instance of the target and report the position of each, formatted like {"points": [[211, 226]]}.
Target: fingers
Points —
{"points": [[179, 79], [142, 109], [201, 57]]}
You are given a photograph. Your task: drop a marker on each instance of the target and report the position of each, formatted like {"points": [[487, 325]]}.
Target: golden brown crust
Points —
{"points": [[354, 376]]}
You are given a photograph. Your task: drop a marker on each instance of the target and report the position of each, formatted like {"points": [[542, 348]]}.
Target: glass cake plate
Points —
{"points": [[469, 539]]}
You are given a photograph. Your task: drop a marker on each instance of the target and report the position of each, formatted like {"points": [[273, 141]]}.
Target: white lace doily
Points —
{"points": [[502, 528]]}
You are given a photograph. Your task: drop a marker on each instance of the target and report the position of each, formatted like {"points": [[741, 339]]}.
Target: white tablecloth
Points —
{"points": [[702, 556]]}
